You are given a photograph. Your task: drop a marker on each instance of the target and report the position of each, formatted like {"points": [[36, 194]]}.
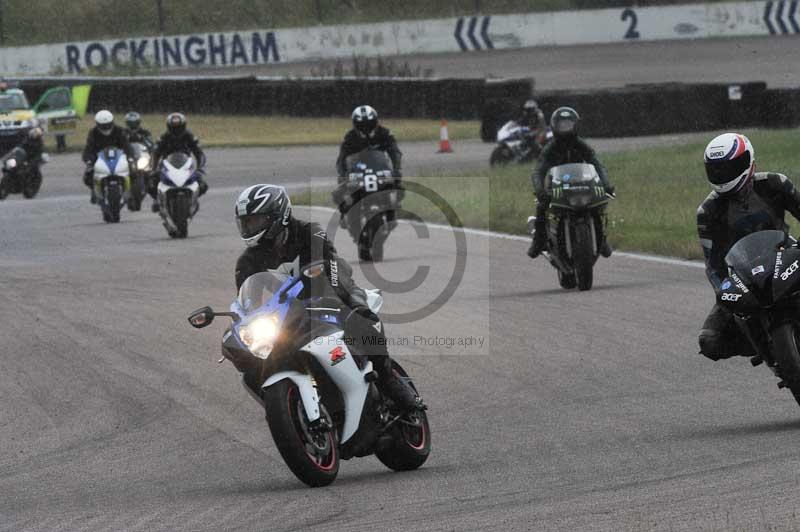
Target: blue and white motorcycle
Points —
{"points": [[321, 403], [111, 182], [178, 191]]}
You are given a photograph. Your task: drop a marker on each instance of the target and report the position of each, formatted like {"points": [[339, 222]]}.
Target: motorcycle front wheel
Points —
{"points": [[3, 188], [313, 457], [786, 351], [583, 256], [32, 186]]}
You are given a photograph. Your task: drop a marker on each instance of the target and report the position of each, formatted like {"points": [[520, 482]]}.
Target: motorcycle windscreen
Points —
{"points": [[258, 289], [368, 160], [753, 257], [574, 173]]}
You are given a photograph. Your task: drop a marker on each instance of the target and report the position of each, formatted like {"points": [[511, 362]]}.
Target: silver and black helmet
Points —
{"points": [[262, 215]]}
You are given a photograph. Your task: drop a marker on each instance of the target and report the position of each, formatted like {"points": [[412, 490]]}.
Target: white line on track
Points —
{"points": [[507, 236]]}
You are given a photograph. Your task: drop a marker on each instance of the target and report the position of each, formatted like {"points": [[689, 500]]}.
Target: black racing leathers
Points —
{"points": [[565, 151], [181, 142], [142, 136], [721, 222], [34, 149], [308, 243], [97, 142], [381, 139]]}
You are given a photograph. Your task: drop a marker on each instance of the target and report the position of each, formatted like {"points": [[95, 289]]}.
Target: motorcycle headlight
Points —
{"points": [[259, 335], [11, 163], [143, 162]]}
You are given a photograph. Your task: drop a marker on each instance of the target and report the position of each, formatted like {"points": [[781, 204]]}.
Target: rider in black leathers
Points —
{"points": [[105, 134], [757, 201], [531, 116], [274, 237], [565, 148], [177, 139], [367, 133], [34, 145], [136, 133]]}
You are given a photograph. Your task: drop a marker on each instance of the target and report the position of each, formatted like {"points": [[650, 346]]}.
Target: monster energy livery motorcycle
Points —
{"points": [[575, 223], [763, 292], [321, 402]]}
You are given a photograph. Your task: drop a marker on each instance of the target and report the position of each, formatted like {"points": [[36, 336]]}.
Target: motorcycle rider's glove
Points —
{"points": [[359, 316]]}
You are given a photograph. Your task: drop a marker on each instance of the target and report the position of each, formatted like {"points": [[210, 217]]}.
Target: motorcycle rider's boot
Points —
{"points": [[203, 186], [400, 393], [93, 198]]}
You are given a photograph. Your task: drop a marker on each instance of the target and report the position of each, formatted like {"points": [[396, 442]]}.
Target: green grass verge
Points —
{"points": [[38, 21], [658, 192], [218, 130]]}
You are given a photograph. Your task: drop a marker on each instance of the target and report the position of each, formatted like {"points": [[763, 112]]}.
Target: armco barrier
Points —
{"points": [[454, 99], [657, 109]]}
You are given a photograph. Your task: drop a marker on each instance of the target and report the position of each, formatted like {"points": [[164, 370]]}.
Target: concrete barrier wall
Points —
{"points": [[465, 35]]}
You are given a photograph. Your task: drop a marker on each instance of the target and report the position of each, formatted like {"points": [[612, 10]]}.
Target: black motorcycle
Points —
{"points": [[763, 293], [21, 175], [139, 175], [575, 223], [373, 195]]}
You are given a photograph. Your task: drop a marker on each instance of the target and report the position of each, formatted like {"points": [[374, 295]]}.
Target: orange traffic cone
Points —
{"points": [[444, 139]]}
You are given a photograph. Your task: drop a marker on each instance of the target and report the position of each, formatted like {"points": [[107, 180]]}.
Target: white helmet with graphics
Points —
{"points": [[262, 214], [365, 120], [730, 162], [105, 121]]}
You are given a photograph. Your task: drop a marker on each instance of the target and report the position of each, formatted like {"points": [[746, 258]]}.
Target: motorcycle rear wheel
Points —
{"points": [[411, 444], [501, 156], [315, 462]]}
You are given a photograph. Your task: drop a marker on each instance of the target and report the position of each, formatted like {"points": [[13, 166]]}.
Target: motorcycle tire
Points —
{"points": [[3, 188], [315, 463], [566, 280], [501, 156], [583, 256], [786, 352], [113, 202], [32, 187], [411, 444], [180, 216], [136, 196], [365, 240]]}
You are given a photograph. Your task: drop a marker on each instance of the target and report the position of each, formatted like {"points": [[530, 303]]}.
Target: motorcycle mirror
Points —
{"points": [[201, 318]]}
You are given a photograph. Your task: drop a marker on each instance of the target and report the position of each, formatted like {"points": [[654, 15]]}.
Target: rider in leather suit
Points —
{"points": [[275, 237], [742, 201]]}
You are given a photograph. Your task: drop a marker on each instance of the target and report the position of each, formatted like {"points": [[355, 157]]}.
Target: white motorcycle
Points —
{"points": [[111, 182], [178, 191], [321, 402]]}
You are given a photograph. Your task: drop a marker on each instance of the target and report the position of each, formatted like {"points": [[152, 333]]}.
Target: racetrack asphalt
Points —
{"points": [[727, 60], [581, 411]]}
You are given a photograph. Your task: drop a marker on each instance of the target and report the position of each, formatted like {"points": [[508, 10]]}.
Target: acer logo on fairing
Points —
{"points": [[730, 297], [790, 271]]}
